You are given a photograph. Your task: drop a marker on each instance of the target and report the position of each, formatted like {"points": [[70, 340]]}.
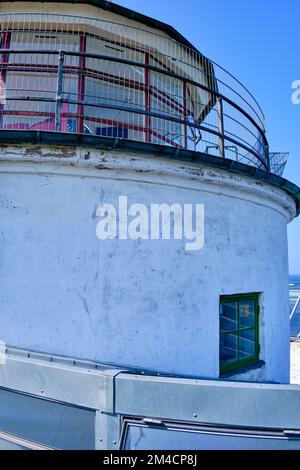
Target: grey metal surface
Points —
{"points": [[12, 442], [211, 402], [73, 406], [46, 422], [108, 430], [40, 376], [61, 402]]}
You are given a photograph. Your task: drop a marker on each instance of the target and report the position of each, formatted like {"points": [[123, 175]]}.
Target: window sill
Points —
{"points": [[242, 370]]}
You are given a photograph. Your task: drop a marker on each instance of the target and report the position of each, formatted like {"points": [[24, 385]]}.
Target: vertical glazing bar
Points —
{"points": [[59, 90], [185, 113], [147, 98], [221, 127], [5, 44], [81, 84]]}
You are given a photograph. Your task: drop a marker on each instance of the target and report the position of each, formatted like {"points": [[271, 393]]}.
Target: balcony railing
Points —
{"points": [[70, 75]]}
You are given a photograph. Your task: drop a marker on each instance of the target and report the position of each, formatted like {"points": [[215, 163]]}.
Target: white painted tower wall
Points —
{"points": [[143, 303]]}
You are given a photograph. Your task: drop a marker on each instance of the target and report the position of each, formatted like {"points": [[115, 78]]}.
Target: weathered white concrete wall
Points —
{"points": [[141, 303]]}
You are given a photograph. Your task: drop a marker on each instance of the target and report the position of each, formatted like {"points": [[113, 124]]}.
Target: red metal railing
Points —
{"points": [[125, 91]]}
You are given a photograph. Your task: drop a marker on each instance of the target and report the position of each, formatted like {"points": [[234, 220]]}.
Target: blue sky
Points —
{"points": [[259, 42]]}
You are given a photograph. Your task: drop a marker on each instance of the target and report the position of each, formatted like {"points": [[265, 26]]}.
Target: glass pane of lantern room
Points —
{"points": [[116, 86], [228, 317], [168, 92], [228, 348], [246, 314], [27, 77], [29, 114], [43, 40], [34, 75], [246, 344], [111, 69]]}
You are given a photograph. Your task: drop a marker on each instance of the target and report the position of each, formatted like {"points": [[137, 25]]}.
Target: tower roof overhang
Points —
{"points": [[130, 14]]}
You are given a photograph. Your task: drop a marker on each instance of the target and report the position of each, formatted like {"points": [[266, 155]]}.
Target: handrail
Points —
{"points": [[181, 119], [153, 68], [165, 117], [262, 118], [187, 47]]}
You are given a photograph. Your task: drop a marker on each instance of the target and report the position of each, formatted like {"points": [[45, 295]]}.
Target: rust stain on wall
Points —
{"points": [[63, 152]]}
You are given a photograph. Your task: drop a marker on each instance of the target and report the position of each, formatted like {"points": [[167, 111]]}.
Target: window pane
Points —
{"points": [[246, 312], [139, 437], [228, 348], [49, 423], [228, 318], [246, 344]]}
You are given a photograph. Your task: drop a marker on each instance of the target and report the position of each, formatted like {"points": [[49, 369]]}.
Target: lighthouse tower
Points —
{"points": [[100, 103]]}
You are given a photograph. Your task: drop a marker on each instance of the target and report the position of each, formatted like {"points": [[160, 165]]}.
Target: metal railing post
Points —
{"points": [[59, 90], [221, 127], [147, 98], [295, 308], [185, 113], [267, 155], [6, 41]]}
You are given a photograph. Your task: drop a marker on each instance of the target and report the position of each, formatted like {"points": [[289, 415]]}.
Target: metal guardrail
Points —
{"points": [[278, 161], [127, 90], [294, 296], [295, 308]]}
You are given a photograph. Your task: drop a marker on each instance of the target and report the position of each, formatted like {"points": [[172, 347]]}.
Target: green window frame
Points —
{"points": [[239, 331]]}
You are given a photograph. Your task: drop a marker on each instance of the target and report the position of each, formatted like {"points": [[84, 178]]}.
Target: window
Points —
{"points": [[239, 335], [136, 435], [44, 422]]}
